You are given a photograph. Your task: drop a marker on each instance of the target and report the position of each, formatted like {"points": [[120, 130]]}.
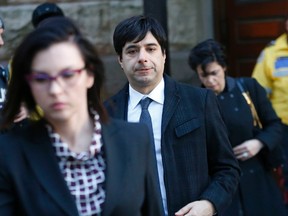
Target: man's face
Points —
{"points": [[143, 63], [1, 37]]}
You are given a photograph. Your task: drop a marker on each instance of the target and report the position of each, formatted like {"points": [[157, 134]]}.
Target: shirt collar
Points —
{"points": [[157, 95]]}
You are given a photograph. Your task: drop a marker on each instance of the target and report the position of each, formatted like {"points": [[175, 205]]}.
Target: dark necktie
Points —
{"points": [[145, 116]]}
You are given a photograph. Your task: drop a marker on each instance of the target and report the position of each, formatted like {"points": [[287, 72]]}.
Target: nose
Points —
{"points": [[55, 87], [142, 56], [209, 79]]}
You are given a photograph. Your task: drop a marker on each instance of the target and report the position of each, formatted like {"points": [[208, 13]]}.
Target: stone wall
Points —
{"points": [[97, 19]]}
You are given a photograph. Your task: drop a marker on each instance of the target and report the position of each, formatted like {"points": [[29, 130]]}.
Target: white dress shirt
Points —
{"points": [[155, 109]]}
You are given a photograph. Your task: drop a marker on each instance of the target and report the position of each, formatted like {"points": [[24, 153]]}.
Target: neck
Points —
{"points": [[145, 89], [77, 133]]}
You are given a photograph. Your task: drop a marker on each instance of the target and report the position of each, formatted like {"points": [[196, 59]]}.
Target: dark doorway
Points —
{"points": [[245, 27]]}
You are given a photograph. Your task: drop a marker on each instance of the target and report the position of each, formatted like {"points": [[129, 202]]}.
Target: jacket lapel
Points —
{"points": [[43, 162], [119, 105], [171, 101]]}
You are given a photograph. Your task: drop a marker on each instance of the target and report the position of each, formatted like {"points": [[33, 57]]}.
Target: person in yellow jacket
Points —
{"points": [[271, 71]]}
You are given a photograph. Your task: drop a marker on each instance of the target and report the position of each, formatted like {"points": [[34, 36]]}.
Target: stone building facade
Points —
{"points": [[189, 22]]}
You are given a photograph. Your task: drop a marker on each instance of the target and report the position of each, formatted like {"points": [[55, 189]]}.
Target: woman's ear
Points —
{"points": [[90, 79]]}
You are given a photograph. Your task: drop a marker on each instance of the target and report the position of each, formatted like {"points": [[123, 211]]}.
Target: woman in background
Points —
{"points": [[73, 160], [258, 193]]}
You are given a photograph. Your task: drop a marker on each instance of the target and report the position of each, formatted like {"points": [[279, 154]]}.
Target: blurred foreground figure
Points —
{"points": [[74, 160]]}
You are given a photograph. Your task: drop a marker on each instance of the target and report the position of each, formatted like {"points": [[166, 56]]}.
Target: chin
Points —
{"points": [[144, 80], [58, 117]]}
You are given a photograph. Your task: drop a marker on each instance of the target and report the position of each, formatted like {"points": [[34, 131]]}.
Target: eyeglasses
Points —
{"points": [[66, 77]]}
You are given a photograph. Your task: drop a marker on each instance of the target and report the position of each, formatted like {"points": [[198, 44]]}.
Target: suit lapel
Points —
{"points": [[43, 162], [171, 101], [115, 166], [120, 104]]}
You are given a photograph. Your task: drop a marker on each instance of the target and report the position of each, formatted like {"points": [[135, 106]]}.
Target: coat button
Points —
{"points": [[236, 109], [231, 95]]}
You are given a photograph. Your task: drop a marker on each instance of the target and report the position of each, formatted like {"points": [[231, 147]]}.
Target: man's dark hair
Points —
{"points": [[44, 11], [135, 29]]}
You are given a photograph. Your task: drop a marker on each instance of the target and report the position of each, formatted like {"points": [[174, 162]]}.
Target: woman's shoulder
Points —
{"points": [[247, 80], [11, 144], [249, 83], [20, 134]]}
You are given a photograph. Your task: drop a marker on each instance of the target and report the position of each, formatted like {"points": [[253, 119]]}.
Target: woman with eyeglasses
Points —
{"points": [[73, 160]]}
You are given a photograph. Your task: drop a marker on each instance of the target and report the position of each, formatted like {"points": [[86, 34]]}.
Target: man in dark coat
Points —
{"points": [[198, 173]]}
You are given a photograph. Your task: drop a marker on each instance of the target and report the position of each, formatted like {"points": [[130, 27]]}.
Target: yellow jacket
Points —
{"points": [[271, 71]]}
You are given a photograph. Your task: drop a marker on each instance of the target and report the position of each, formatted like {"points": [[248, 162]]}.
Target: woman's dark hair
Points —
{"points": [[135, 29], [38, 40], [206, 52]]}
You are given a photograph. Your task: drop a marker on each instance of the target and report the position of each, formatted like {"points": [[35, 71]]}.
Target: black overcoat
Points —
{"points": [[258, 192]]}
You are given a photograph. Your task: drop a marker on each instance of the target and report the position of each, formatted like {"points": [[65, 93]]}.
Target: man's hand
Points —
{"points": [[197, 208]]}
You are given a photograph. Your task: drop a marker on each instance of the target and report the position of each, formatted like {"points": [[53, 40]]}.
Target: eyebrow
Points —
{"points": [[38, 71], [136, 46], [207, 73], [45, 72], [131, 46]]}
